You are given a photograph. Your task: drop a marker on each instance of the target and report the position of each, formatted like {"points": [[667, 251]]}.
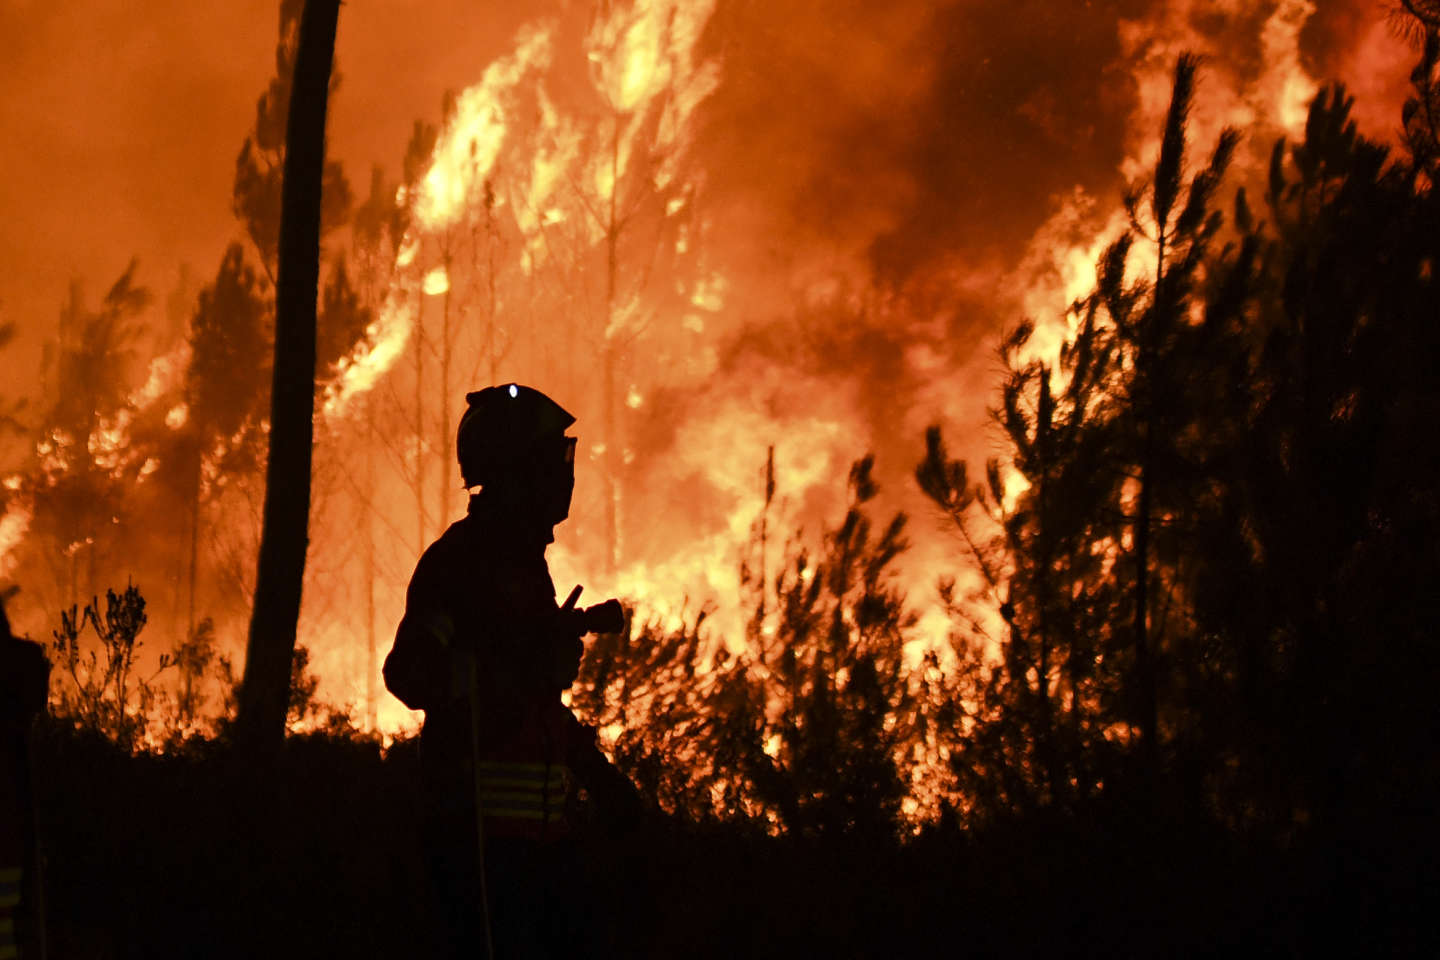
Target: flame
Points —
{"points": [[109, 442], [1059, 266], [164, 376], [436, 282], [55, 452], [372, 358], [1275, 98], [1285, 89], [636, 54], [466, 151], [14, 524], [571, 122]]}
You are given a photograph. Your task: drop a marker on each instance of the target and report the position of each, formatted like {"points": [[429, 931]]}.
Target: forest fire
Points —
{"points": [[561, 225], [1006, 432]]}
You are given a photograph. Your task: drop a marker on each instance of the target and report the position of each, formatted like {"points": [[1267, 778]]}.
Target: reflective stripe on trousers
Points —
{"points": [[523, 791]]}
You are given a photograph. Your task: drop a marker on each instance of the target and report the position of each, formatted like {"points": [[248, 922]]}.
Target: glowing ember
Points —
{"points": [[436, 282]]}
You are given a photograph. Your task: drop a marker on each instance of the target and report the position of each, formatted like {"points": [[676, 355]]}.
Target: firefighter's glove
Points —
{"points": [[566, 645]]}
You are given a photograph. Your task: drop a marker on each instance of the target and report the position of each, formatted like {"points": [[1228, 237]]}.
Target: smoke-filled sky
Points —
{"points": [[903, 132]]}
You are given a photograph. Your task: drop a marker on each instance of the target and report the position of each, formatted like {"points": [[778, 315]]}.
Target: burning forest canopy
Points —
{"points": [[745, 244]]}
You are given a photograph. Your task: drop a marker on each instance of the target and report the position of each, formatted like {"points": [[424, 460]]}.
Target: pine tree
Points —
{"points": [[281, 567], [1107, 452], [817, 729], [81, 471], [260, 165], [226, 394], [1317, 582]]}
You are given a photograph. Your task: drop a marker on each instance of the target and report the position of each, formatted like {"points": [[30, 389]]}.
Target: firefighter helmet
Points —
{"points": [[505, 429]]}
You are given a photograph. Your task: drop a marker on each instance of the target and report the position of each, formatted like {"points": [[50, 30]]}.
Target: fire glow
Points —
{"points": [[566, 230]]}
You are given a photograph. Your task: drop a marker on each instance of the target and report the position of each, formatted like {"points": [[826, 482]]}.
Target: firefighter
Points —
{"points": [[485, 651], [24, 685]]}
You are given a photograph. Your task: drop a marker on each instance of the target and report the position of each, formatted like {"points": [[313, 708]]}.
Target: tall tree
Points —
{"points": [[1037, 719], [1108, 445], [81, 473], [1420, 117], [225, 389], [1330, 533], [260, 165], [284, 539], [1153, 342]]}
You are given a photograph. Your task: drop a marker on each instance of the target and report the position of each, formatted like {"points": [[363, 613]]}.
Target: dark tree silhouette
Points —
{"points": [[284, 539], [260, 165], [226, 384], [1320, 561], [342, 319], [1227, 525], [226, 389], [1420, 118], [1106, 444]]}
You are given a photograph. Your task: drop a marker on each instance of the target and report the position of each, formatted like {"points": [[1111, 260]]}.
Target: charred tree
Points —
{"points": [[284, 538]]}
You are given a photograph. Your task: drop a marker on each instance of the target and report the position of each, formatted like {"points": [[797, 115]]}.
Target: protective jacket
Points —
{"points": [[481, 610]]}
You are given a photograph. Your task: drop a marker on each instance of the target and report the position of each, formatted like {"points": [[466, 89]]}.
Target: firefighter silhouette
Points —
{"points": [[485, 651], [24, 685]]}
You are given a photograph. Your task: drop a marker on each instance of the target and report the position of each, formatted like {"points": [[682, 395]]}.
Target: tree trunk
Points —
{"points": [[1144, 658], [285, 535]]}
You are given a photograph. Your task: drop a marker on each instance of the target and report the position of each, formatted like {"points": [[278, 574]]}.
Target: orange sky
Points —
{"points": [[906, 123], [121, 123]]}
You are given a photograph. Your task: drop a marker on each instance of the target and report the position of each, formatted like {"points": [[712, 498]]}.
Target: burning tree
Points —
{"points": [[1104, 474], [222, 433], [1174, 544], [83, 465], [822, 725]]}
